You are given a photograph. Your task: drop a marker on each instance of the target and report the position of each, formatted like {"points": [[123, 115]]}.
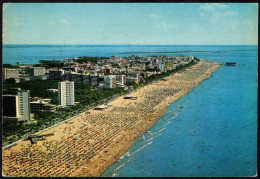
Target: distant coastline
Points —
{"points": [[31, 54], [188, 51]]}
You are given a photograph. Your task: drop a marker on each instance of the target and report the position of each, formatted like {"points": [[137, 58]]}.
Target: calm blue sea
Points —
{"points": [[214, 134]]}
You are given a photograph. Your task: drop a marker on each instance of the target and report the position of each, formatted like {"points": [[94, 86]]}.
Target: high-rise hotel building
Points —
{"points": [[66, 93], [16, 104]]}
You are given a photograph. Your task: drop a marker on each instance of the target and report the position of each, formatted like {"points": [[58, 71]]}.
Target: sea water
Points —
{"points": [[213, 134], [31, 54]]}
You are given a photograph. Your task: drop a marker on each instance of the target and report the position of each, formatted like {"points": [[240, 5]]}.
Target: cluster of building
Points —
{"points": [[102, 74], [17, 103], [24, 73]]}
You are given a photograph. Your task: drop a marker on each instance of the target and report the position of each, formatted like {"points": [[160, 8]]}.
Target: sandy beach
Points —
{"points": [[95, 140]]}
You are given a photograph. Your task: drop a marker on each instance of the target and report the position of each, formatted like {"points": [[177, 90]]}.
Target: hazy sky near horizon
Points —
{"points": [[131, 23]]}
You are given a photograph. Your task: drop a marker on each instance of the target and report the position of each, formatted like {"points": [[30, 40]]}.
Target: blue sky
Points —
{"points": [[131, 23]]}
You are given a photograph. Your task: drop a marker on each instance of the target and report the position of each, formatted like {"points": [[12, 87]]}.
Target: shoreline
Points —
{"points": [[164, 107], [110, 132]]}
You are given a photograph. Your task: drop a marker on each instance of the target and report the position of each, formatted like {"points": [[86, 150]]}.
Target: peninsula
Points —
{"points": [[92, 141]]}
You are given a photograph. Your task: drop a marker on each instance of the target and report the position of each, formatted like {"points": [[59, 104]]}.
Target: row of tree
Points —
{"points": [[9, 66]]}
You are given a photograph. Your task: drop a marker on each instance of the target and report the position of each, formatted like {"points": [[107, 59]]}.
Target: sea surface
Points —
{"points": [[213, 134]]}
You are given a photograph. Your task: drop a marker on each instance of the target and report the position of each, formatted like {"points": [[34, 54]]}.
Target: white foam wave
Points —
{"points": [[166, 123], [140, 148], [160, 131], [157, 135], [149, 139], [176, 115], [123, 164]]}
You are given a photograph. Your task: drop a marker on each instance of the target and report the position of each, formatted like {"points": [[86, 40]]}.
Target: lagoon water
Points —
{"points": [[213, 134]]}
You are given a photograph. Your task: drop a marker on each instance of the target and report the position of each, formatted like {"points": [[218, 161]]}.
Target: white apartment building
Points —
{"points": [[174, 66], [110, 81], [134, 74], [66, 93], [37, 71], [121, 79], [132, 79], [162, 67], [10, 73]]}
